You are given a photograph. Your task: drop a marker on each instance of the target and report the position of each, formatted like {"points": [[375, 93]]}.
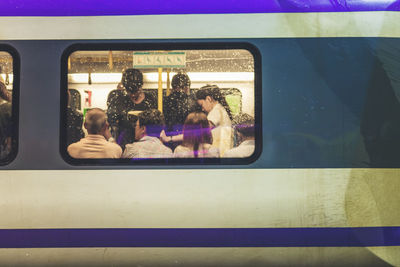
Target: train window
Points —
{"points": [[8, 104], [160, 103]]}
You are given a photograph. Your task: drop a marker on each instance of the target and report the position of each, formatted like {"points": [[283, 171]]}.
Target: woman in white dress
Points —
{"points": [[219, 115], [197, 138]]}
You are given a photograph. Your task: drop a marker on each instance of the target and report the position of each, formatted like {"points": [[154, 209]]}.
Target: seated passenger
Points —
{"points": [[197, 138], [245, 134], [5, 121], [95, 145], [148, 127]]}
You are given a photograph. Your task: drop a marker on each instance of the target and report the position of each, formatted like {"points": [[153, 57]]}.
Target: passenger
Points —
{"points": [[95, 144], [245, 134], [132, 99], [197, 138], [5, 121], [74, 123], [219, 115], [178, 105], [148, 127]]}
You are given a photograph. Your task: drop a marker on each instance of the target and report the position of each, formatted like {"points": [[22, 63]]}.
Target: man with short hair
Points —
{"points": [[95, 144], [245, 134], [148, 127]]}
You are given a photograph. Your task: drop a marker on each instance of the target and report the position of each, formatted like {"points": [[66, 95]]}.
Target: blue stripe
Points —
{"points": [[157, 7], [203, 237]]}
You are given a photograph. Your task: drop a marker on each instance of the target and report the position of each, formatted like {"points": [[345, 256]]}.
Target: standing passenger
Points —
{"points": [[132, 99], [74, 123], [95, 145], [209, 97], [148, 127], [178, 104], [197, 138]]}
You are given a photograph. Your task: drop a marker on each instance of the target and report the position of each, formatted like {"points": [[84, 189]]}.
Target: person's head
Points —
{"points": [[181, 82], [132, 80], [210, 95], [245, 127], [149, 123], [96, 121], [196, 130], [4, 94]]}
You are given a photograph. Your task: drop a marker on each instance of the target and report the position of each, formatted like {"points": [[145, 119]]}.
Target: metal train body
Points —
{"points": [[309, 198]]}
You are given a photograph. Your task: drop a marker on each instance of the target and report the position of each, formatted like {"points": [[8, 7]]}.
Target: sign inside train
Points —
{"points": [[171, 59]]}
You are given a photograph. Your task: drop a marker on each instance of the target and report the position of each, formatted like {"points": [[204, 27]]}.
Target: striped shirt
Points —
{"points": [[147, 147]]}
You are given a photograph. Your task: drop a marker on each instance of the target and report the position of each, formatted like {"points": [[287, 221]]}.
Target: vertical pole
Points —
{"points": [[168, 82], [110, 60], [160, 90], [69, 63]]}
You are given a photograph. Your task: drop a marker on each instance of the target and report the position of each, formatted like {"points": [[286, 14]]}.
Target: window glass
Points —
{"points": [[180, 104], [7, 116]]}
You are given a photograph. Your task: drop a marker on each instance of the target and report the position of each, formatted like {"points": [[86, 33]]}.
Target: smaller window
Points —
{"points": [[8, 104]]}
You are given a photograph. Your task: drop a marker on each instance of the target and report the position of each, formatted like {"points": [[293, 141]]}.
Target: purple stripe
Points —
{"points": [[157, 7], [203, 237]]}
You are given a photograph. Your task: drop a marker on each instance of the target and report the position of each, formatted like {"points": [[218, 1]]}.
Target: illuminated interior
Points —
{"points": [[95, 76]]}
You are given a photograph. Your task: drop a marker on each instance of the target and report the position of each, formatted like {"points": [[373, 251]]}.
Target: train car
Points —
{"points": [[320, 79]]}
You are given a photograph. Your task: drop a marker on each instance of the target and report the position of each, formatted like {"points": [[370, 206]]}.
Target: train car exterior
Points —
{"points": [[321, 189]]}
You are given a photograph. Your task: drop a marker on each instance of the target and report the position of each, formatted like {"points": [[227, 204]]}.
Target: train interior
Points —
{"points": [[94, 78], [6, 69], [231, 70]]}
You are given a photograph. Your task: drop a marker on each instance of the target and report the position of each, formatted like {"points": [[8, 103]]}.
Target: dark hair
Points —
{"points": [[153, 119], [4, 94], [196, 131], [215, 93], [180, 80], [132, 80], [245, 125]]}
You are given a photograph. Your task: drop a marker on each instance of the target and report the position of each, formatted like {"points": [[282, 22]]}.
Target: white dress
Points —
{"points": [[222, 133]]}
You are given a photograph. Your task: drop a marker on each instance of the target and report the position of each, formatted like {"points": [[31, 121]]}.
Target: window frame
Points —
{"points": [[161, 46]]}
